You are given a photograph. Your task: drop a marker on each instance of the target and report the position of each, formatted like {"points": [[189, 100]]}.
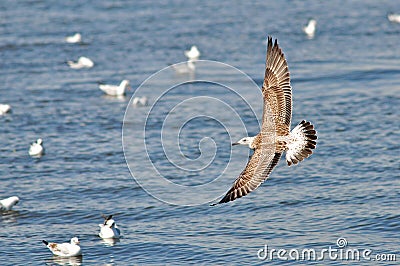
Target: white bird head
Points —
{"points": [[194, 49], [193, 53], [248, 141], [312, 22], [111, 223], [125, 83], [108, 221], [13, 200], [77, 36], [75, 241], [39, 141]]}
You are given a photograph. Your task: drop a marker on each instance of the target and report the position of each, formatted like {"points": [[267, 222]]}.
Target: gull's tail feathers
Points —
{"points": [[303, 138]]}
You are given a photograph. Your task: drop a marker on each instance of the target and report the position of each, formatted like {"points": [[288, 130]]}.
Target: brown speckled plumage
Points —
{"points": [[271, 142]]}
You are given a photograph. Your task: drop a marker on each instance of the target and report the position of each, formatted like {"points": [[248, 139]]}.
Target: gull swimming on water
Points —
{"points": [[140, 101], [36, 149], [8, 203], [83, 62], [65, 249], [115, 90], [4, 108], [394, 18], [275, 136], [109, 228], [193, 53], [76, 38], [310, 28]]}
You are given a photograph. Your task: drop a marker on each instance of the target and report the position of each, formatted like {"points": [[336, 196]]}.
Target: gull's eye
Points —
{"points": [[244, 140]]}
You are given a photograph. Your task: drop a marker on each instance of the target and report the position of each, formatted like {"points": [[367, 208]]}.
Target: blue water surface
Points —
{"points": [[346, 80]]}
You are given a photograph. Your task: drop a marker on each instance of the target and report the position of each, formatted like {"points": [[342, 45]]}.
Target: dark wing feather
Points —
{"points": [[276, 88], [256, 172]]}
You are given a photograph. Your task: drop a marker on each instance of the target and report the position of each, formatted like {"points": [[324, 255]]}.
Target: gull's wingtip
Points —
{"points": [[269, 40], [223, 200], [45, 242]]}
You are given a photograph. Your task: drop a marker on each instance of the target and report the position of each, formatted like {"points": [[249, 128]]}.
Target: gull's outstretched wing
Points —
{"points": [[276, 89], [256, 172]]}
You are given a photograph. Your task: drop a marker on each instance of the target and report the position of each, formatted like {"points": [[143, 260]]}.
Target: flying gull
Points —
{"points": [[275, 136]]}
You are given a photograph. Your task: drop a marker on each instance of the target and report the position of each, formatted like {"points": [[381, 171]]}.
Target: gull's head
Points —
{"points": [[39, 141], [14, 200], [125, 84], [194, 49], [312, 23], [193, 53], [75, 241], [248, 141], [110, 223]]}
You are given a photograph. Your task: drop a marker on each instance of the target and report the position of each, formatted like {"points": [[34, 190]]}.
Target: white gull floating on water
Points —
{"points": [[36, 149], [394, 17], [310, 28], [76, 38], [8, 203], [115, 90], [140, 101], [4, 108], [65, 249], [109, 228], [83, 62], [193, 53]]}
